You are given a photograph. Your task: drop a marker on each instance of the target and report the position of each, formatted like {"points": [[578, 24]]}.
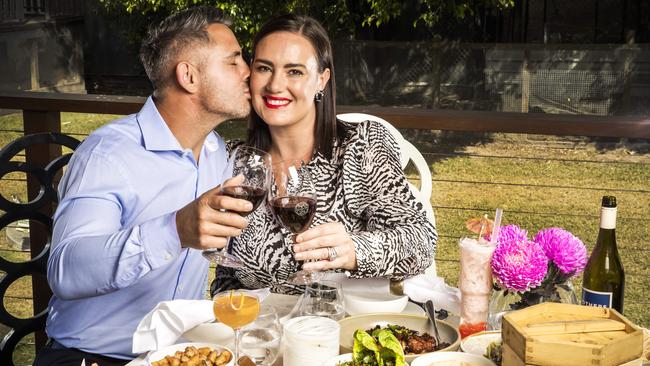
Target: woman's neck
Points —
{"points": [[292, 143]]}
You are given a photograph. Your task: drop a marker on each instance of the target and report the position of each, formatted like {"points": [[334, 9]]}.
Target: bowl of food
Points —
{"points": [[373, 302], [451, 359], [196, 352], [413, 332]]}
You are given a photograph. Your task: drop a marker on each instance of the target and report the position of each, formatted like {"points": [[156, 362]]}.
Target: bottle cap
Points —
{"points": [[609, 201]]}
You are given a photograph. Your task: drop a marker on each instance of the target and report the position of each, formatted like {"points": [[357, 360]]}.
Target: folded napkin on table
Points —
{"points": [[163, 325]]}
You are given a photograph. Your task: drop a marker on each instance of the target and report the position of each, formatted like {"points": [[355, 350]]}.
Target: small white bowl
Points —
{"points": [[368, 302], [336, 360], [451, 359], [478, 343]]}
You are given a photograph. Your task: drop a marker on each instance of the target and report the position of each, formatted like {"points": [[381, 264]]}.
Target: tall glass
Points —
{"points": [[475, 284], [236, 309], [255, 166], [293, 201]]}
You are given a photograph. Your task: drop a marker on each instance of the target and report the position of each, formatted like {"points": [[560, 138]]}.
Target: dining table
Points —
{"points": [[285, 306]]}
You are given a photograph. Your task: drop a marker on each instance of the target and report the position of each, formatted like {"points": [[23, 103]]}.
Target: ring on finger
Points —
{"points": [[331, 253]]}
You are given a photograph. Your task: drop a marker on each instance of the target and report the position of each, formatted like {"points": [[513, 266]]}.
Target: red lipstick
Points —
{"points": [[275, 102]]}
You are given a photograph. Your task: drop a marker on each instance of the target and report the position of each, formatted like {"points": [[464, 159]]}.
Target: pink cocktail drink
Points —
{"points": [[475, 284]]}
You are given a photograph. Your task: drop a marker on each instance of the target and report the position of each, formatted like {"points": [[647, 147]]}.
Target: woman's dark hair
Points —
{"points": [[326, 126]]}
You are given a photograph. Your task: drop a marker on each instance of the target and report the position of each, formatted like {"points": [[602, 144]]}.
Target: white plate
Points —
{"points": [[215, 333], [451, 359], [477, 343], [170, 350], [373, 302]]}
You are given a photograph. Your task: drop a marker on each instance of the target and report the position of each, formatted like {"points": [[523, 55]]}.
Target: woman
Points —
{"points": [[365, 210]]}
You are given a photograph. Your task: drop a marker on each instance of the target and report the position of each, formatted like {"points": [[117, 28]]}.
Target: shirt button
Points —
{"points": [[168, 255]]}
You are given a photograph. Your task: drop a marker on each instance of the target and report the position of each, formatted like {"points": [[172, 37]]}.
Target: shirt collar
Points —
{"points": [[158, 137], [155, 133], [211, 143]]}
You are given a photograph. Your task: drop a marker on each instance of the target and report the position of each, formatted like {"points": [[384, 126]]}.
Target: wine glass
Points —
{"points": [[323, 298], [255, 166], [293, 201], [236, 309], [260, 340]]}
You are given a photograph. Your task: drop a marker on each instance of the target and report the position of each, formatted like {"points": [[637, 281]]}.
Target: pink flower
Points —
{"points": [[511, 233], [517, 264], [566, 251]]}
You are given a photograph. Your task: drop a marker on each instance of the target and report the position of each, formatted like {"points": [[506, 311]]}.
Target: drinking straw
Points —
{"points": [[484, 227], [496, 225]]}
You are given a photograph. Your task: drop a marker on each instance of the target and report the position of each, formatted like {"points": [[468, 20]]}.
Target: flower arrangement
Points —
{"points": [[536, 269]]}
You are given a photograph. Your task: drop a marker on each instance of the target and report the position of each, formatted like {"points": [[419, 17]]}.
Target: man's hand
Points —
{"points": [[209, 220]]}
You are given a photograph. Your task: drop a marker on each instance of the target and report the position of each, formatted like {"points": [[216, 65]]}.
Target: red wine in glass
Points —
{"points": [[254, 166], [295, 213], [254, 195], [293, 201]]}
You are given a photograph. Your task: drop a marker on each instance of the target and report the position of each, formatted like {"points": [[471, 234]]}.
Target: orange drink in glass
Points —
{"points": [[236, 309]]}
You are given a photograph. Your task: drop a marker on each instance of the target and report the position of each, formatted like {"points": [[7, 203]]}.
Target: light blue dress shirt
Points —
{"points": [[115, 249]]}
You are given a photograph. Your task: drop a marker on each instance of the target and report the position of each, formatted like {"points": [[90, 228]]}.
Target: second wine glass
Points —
{"points": [[293, 201], [255, 167]]}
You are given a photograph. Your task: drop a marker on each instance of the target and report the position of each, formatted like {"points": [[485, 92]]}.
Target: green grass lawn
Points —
{"points": [[538, 181]]}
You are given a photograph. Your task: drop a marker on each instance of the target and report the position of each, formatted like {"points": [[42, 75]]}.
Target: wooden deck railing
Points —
{"points": [[36, 105], [41, 113]]}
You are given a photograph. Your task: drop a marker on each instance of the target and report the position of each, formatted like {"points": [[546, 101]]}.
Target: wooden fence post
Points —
{"points": [[35, 122]]}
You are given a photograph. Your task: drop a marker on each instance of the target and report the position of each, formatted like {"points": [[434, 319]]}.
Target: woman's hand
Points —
{"points": [[329, 244]]}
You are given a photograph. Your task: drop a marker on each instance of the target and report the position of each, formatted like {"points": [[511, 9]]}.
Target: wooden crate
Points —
{"points": [[569, 335]]}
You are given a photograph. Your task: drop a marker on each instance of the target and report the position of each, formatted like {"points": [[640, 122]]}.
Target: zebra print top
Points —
{"points": [[363, 187]]}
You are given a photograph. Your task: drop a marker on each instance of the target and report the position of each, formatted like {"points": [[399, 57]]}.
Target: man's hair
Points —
{"points": [[165, 41], [327, 127]]}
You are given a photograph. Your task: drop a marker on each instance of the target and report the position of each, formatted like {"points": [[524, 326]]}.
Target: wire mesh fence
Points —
{"points": [[574, 79]]}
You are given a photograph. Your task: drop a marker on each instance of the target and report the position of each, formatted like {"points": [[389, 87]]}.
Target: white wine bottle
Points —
{"points": [[603, 282]]}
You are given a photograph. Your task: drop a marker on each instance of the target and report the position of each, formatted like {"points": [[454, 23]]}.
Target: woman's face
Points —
{"points": [[284, 79]]}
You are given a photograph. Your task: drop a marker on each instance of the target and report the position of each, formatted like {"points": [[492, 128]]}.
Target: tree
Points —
{"points": [[340, 17]]}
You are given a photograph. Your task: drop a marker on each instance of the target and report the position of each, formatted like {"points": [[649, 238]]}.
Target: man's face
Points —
{"points": [[224, 75]]}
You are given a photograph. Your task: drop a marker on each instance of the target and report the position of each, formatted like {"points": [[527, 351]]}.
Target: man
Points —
{"points": [[138, 202]]}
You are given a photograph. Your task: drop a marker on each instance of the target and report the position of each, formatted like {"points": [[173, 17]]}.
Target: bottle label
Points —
{"points": [[608, 217], [596, 298]]}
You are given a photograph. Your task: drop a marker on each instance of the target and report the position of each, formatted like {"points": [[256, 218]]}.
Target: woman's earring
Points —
{"points": [[318, 97]]}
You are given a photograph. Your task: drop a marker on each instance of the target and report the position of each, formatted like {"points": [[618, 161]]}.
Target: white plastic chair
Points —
{"points": [[407, 152]]}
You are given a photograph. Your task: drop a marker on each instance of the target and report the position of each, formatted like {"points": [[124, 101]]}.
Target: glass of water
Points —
{"points": [[323, 298], [260, 340]]}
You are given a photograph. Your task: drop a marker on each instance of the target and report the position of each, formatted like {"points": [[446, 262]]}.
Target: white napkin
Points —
{"points": [[167, 321], [163, 325], [425, 287]]}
